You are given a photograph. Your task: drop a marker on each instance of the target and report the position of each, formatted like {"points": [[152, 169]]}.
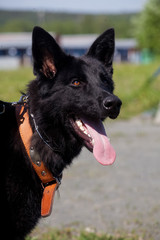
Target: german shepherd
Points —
{"points": [[69, 99]]}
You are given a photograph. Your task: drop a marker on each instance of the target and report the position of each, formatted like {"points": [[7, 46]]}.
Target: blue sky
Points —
{"points": [[91, 6]]}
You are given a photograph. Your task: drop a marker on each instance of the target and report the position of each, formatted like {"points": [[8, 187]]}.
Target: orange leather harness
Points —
{"points": [[49, 183]]}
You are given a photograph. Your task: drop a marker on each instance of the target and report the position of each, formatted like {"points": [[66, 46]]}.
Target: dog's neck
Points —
{"points": [[49, 136], [44, 136]]}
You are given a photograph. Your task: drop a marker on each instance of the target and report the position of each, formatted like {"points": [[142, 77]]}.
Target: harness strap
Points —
{"points": [[49, 183]]}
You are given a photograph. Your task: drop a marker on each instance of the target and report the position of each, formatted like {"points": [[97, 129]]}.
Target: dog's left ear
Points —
{"points": [[47, 55], [103, 49]]}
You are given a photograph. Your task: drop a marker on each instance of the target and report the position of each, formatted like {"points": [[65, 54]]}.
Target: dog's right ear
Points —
{"points": [[47, 55]]}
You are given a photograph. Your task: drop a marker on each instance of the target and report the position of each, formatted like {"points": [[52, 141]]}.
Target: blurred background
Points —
{"points": [[75, 26], [130, 205]]}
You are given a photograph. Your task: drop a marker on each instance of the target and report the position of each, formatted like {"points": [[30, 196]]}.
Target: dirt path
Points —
{"points": [[123, 197]]}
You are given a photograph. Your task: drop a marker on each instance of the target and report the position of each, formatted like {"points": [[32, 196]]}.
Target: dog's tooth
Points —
{"points": [[89, 135], [79, 123], [92, 142], [85, 132], [82, 128]]}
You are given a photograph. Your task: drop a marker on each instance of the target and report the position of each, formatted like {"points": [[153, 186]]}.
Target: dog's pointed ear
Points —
{"points": [[103, 49], [47, 55]]}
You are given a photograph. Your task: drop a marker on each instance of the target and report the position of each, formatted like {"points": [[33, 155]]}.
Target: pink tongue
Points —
{"points": [[102, 150]]}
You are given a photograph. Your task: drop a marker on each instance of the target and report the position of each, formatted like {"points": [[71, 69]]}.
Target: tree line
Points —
{"points": [[65, 23], [144, 26]]}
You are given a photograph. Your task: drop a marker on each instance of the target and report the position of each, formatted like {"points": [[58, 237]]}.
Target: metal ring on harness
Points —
{"points": [[3, 111]]}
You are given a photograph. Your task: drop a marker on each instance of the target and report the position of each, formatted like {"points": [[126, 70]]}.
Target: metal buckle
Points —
{"points": [[58, 180], [23, 99]]}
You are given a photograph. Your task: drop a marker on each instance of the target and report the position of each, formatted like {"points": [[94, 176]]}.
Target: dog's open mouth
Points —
{"points": [[95, 139]]}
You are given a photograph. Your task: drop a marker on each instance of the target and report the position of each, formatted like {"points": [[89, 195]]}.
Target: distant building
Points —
{"points": [[125, 49], [15, 48]]}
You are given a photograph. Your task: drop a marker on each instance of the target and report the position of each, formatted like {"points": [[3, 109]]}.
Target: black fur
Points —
{"points": [[54, 99]]}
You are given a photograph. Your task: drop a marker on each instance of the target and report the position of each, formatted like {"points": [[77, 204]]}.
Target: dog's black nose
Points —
{"points": [[111, 102], [112, 105]]}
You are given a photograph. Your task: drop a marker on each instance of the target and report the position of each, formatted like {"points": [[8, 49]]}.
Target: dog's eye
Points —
{"points": [[76, 83]]}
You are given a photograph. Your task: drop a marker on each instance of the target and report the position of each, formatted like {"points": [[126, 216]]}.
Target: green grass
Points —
{"points": [[72, 234], [130, 85], [13, 82]]}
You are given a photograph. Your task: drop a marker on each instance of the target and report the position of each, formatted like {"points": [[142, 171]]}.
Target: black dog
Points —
{"points": [[68, 101]]}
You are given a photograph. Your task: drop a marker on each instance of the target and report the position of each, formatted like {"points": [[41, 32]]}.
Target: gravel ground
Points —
{"points": [[124, 197]]}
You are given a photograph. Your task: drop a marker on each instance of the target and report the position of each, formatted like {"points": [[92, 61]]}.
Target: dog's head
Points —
{"points": [[77, 92]]}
